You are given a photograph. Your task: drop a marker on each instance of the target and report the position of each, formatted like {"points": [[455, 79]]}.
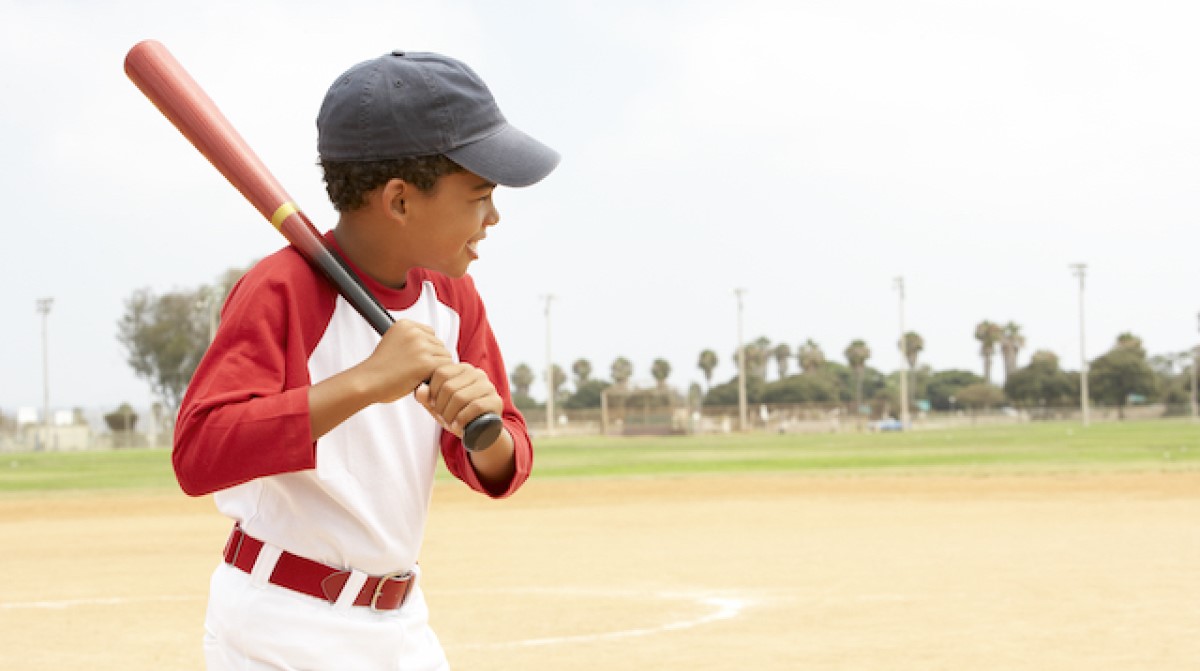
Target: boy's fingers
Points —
{"points": [[459, 393], [422, 395]]}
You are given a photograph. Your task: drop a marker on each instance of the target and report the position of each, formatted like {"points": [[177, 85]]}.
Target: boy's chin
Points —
{"points": [[455, 271]]}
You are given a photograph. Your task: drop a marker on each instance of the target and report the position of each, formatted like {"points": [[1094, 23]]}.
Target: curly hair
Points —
{"points": [[348, 182]]}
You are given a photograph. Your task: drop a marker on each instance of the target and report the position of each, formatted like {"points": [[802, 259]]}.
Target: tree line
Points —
{"points": [[1124, 374], [165, 335]]}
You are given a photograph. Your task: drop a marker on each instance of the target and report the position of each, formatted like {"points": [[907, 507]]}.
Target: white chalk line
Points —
{"points": [[720, 608], [63, 604]]}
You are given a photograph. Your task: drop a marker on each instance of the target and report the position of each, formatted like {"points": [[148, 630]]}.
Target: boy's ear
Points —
{"points": [[392, 196]]}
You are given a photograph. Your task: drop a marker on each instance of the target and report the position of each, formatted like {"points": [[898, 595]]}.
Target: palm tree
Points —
{"points": [[708, 362], [757, 354], [583, 370], [856, 355], [1011, 342], [810, 356], [782, 354], [988, 334], [661, 370], [911, 346], [522, 379], [622, 370], [557, 378]]}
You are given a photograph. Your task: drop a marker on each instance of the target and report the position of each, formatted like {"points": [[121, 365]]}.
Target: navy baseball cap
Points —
{"points": [[407, 104]]}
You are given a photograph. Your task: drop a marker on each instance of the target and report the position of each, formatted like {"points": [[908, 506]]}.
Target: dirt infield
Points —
{"points": [[907, 572]]}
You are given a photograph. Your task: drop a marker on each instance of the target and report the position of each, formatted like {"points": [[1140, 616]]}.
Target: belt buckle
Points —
{"points": [[383, 581]]}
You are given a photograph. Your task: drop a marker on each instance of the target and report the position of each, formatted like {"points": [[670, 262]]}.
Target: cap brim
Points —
{"points": [[508, 157]]}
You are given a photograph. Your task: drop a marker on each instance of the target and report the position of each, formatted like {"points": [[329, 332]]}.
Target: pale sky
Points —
{"points": [[808, 152]]}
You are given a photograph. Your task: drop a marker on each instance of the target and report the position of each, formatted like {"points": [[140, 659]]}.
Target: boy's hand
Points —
{"points": [[403, 360], [458, 393]]}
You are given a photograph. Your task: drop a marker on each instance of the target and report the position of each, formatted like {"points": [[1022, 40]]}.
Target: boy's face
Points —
{"points": [[450, 220]]}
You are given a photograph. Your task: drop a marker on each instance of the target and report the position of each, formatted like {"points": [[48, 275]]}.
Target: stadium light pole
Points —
{"points": [[1080, 271], [43, 308], [741, 362], [206, 302], [899, 284], [549, 373]]}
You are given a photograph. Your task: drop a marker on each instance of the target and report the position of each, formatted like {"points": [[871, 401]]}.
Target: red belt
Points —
{"points": [[381, 592]]}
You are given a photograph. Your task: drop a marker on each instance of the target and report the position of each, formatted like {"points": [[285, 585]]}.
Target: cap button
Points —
{"points": [[397, 53]]}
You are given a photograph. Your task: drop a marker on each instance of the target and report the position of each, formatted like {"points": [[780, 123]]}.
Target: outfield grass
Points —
{"points": [[1039, 447], [133, 469]]}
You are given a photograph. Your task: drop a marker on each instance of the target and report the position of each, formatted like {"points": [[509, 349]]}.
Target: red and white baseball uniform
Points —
{"points": [[358, 497]]}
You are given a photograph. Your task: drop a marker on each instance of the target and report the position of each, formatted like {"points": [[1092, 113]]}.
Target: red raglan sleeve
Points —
{"points": [[245, 413], [477, 345]]}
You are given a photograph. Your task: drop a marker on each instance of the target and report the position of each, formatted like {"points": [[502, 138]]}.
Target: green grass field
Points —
{"points": [[1024, 448], [1041, 447]]}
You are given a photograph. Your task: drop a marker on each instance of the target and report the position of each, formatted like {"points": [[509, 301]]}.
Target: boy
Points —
{"points": [[305, 423]]}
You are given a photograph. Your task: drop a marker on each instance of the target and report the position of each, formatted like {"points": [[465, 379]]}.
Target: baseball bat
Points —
{"points": [[173, 91]]}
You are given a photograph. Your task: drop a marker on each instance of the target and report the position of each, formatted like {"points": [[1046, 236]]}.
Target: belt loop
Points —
{"points": [[264, 566], [233, 546], [350, 590]]}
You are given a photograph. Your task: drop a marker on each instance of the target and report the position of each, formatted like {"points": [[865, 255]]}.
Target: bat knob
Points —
{"points": [[482, 432]]}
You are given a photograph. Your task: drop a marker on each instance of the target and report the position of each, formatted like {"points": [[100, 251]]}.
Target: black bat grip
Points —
{"points": [[481, 432]]}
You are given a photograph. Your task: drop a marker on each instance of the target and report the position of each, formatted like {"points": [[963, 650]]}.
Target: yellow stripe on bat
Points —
{"points": [[286, 210]]}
